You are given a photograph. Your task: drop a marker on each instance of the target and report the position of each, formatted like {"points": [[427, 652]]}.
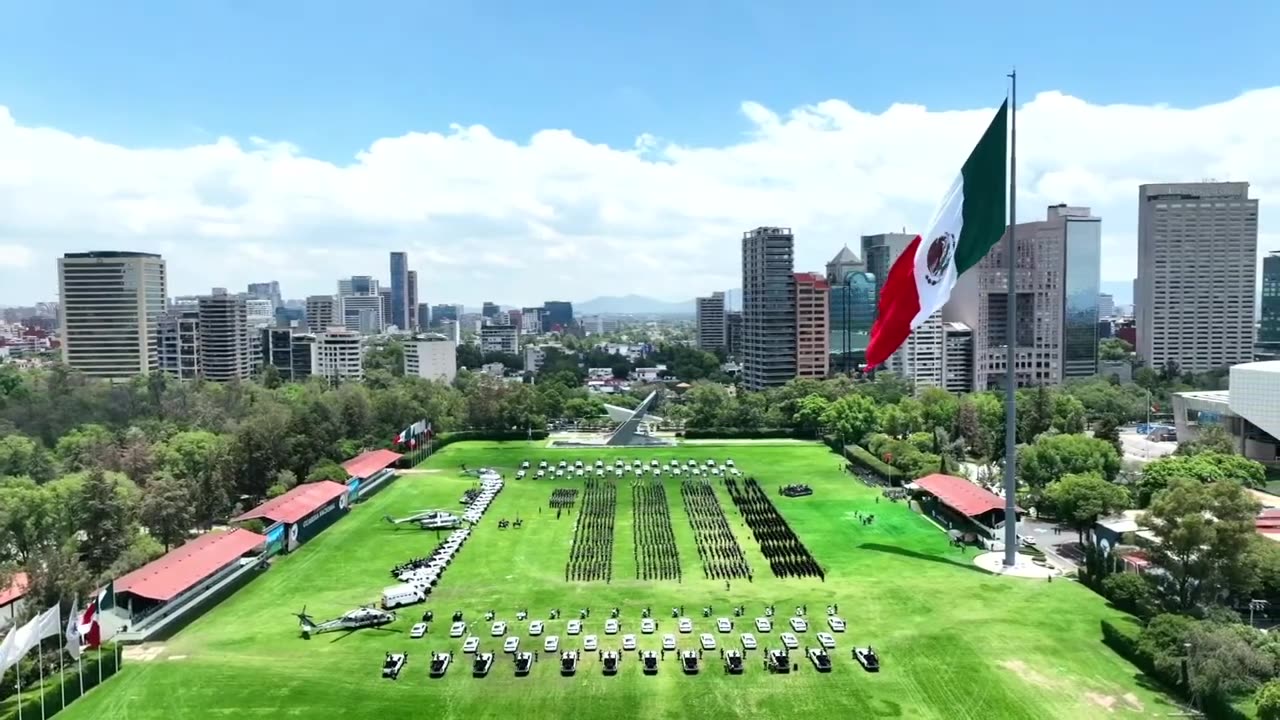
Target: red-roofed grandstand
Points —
{"points": [[296, 504], [960, 494], [16, 591], [370, 463], [185, 567], [960, 501]]}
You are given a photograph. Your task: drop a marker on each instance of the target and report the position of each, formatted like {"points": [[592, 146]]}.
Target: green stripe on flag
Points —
{"points": [[985, 176]]}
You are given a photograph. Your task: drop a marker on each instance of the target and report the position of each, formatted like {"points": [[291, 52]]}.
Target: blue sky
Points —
{"points": [[732, 92], [329, 76]]}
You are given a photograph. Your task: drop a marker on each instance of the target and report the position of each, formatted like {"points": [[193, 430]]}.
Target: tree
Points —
{"points": [[28, 519], [1069, 415], [1224, 663], [270, 377], [1053, 456], [808, 415], [1268, 700], [135, 457], [851, 418], [165, 510], [950, 452], [1114, 350], [103, 520], [1080, 499], [1207, 467], [21, 456], [54, 575], [1131, 592], [1106, 429], [938, 408], [85, 446], [1040, 419], [969, 429], [1203, 534], [1211, 439], [327, 470]]}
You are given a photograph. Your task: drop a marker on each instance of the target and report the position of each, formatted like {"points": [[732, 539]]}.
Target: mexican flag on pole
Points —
{"points": [[970, 220]]}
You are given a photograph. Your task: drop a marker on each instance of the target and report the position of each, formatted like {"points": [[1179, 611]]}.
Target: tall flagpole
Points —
{"points": [[62, 648], [1011, 384], [17, 667], [40, 664]]}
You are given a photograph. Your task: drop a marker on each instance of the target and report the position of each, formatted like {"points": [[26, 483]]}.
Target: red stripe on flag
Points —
{"points": [[899, 305]]}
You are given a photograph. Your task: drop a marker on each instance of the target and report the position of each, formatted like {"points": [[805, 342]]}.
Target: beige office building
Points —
{"points": [[112, 303], [1197, 267], [813, 343]]}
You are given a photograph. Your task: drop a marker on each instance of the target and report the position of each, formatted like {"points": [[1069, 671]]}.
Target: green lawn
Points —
{"points": [[954, 641]]}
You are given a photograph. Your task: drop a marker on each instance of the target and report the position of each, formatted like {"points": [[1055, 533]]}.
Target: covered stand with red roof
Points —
{"points": [[368, 471], [300, 514], [11, 599], [185, 570], [959, 504]]}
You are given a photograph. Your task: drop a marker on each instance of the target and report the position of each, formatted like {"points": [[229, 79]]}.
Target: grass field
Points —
{"points": [[954, 641]]}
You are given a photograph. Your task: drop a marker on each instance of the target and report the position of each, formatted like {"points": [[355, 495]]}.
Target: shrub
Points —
{"points": [[1130, 592], [716, 433]]}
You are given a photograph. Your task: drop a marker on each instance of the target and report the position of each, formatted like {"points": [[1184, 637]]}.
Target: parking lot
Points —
{"points": [[1138, 448]]}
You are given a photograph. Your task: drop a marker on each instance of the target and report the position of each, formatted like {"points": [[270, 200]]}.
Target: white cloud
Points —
{"points": [[557, 216]]}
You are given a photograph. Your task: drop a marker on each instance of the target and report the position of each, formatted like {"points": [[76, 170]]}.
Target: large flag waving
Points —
{"points": [[968, 223]]}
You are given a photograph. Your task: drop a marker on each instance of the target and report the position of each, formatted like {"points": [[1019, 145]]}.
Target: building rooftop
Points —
{"points": [[295, 504], [845, 257], [368, 463], [110, 254], [169, 575], [960, 494]]}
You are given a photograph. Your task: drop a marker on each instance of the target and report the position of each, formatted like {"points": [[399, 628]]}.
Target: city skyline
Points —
{"points": [[620, 176]]}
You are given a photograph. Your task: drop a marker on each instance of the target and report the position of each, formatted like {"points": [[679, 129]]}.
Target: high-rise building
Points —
{"points": [[842, 264], [852, 311], [423, 316], [290, 353], [398, 312], [322, 312], [1058, 267], [516, 318], [415, 322], [338, 355], [384, 294], [431, 356], [180, 341], [111, 305], [358, 285], [489, 309], [531, 321], [768, 308], [812, 339], [733, 333], [920, 358], [1106, 306], [362, 314], [225, 343], [267, 291], [1269, 326], [957, 357], [710, 318], [259, 311], [1197, 269], [499, 338], [557, 315], [441, 313]]}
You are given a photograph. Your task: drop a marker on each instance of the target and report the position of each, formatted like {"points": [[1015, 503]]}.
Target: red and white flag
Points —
{"points": [[89, 632]]}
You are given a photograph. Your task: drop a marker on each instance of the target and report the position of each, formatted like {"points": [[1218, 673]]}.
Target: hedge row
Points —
{"points": [[864, 458], [445, 439], [1126, 646], [738, 433]]}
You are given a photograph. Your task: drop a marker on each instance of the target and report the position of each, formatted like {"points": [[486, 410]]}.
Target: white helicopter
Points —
{"points": [[429, 520], [361, 617]]}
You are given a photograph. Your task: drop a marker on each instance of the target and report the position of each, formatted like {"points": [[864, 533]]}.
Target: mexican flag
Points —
{"points": [[970, 220]]}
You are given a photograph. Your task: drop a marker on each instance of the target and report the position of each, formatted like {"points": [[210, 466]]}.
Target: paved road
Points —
{"points": [[1139, 449]]}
